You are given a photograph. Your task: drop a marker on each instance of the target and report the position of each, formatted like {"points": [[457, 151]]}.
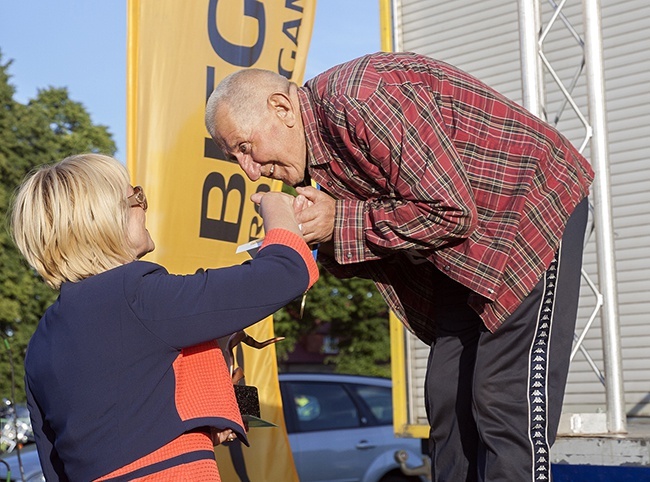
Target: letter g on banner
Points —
{"points": [[238, 54]]}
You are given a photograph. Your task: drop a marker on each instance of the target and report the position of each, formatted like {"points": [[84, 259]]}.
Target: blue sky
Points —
{"points": [[81, 45]]}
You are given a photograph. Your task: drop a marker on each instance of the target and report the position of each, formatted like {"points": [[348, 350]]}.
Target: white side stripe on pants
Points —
{"points": [[538, 377]]}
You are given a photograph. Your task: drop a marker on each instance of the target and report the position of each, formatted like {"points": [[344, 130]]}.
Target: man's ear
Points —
{"points": [[281, 106]]}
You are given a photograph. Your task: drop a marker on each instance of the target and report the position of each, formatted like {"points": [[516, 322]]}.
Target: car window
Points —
{"points": [[379, 400], [322, 406]]}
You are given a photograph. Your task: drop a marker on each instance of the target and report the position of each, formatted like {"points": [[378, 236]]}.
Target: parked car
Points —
{"points": [[340, 429], [31, 466]]}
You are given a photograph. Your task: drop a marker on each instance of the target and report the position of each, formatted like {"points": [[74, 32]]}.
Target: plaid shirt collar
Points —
{"points": [[317, 155]]}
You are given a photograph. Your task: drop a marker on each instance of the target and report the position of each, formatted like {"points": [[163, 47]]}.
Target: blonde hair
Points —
{"points": [[69, 219]]}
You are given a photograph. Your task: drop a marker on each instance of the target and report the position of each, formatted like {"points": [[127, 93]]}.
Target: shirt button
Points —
{"points": [[349, 255], [330, 183], [447, 268]]}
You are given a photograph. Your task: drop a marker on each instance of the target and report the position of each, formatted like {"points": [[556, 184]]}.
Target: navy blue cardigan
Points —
{"points": [[99, 376]]}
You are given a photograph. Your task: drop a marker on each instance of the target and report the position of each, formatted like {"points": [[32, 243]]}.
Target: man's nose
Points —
{"points": [[250, 167]]}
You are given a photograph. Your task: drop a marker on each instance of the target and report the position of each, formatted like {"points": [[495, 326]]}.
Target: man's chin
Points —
{"points": [[296, 181]]}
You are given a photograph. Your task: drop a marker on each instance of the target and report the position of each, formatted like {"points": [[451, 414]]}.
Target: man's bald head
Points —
{"points": [[242, 96], [254, 117]]}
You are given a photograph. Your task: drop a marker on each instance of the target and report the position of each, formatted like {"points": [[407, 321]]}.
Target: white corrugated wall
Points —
{"points": [[482, 37]]}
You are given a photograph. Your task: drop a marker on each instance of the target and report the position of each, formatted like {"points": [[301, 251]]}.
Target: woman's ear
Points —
{"points": [[281, 106]]}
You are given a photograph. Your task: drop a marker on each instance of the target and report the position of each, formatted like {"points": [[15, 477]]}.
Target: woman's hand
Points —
{"points": [[225, 436], [277, 210]]}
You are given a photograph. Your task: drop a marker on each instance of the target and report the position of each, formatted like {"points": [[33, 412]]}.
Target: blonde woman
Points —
{"points": [[124, 379]]}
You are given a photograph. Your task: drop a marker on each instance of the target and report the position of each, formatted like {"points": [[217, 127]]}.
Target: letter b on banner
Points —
{"points": [[220, 228]]}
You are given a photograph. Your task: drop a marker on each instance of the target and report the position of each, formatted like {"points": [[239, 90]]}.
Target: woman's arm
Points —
{"points": [[187, 310]]}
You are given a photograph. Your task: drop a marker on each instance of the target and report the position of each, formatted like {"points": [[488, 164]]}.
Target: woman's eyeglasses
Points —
{"points": [[138, 198]]}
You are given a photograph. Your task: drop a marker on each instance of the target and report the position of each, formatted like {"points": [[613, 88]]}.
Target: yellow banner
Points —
{"points": [[200, 209]]}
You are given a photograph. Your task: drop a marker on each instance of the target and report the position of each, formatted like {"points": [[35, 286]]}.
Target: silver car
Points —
{"points": [[28, 470], [341, 429]]}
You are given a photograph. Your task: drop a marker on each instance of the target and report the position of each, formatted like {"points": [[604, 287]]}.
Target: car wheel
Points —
{"points": [[399, 478]]}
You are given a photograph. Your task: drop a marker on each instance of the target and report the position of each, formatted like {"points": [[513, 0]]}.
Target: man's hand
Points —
{"points": [[315, 212]]}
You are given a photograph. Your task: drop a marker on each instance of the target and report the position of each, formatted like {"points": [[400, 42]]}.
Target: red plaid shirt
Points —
{"points": [[431, 167]]}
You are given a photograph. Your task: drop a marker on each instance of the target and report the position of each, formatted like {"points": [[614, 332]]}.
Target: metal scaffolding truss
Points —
{"points": [[534, 63]]}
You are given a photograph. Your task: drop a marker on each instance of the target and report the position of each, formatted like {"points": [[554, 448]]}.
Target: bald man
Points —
{"points": [[466, 210]]}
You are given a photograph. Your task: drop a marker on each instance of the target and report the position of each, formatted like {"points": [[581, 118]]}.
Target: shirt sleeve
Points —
{"points": [[187, 310], [423, 199]]}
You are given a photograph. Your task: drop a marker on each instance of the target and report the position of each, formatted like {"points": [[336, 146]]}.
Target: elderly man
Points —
{"points": [[466, 210]]}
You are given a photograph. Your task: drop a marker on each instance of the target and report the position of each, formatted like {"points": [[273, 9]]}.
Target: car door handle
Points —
{"points": [[365, 445]]}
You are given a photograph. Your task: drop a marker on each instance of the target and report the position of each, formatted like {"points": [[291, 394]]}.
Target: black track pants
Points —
{"points": [[494, 399]]}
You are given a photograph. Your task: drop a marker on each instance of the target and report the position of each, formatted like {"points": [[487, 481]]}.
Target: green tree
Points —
{"points": [[356, 316], [46, 129]]}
